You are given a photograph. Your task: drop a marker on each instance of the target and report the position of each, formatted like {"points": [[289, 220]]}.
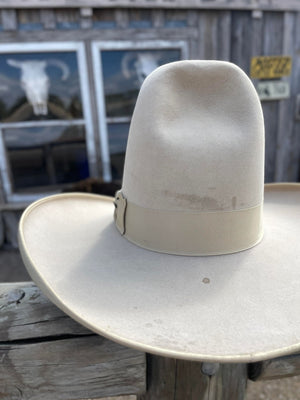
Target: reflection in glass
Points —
{"points": [[39, 86], [43, 156], [117, 138], [124, 72]]}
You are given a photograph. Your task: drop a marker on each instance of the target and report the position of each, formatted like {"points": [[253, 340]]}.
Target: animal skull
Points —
{"points": [[143, 63], [35, 81]]}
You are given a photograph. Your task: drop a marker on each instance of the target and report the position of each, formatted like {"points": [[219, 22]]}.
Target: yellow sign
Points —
{"points": [[269, 67]]}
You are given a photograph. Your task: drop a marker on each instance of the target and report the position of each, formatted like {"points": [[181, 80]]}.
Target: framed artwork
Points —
{"points": [[119, 71], [46, 134]]}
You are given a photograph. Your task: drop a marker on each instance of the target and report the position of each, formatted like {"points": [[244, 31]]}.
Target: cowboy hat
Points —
{"points": [[199, 262]]}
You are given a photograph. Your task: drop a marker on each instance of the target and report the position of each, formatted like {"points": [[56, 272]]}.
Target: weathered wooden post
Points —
{"points": [[44, 354], [186, 380]]}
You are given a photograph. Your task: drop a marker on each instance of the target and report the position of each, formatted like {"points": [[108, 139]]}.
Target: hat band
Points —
{"points": [[189, 233]]}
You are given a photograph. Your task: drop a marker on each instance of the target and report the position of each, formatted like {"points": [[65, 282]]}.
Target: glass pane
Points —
{"points": [[123, 73], [44, 156], [39, 86], [117, 138]]}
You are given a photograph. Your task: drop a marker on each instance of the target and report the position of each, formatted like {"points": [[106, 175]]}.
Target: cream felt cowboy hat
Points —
{"points": [[195, 264]]}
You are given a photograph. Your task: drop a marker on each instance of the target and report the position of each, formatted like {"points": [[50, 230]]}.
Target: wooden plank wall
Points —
{"points": [[235, 35], [270, 5]]}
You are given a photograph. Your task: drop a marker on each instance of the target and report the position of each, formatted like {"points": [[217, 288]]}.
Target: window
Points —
{"points": [[119, 71], [46, 136]]}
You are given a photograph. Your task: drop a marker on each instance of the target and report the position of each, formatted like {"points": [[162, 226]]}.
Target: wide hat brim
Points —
{"points": [[239, 307]]}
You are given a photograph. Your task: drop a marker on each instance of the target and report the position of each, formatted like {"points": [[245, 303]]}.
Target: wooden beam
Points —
{"points": [[158, 18], [9, 20], [106, 34], [271, 5], [86, 18], [121, 17], [13, 206], [282, 367], [48, 18], [45, 355]]}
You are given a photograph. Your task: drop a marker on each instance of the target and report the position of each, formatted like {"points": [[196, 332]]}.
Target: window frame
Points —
{"points": [[85, 121]]}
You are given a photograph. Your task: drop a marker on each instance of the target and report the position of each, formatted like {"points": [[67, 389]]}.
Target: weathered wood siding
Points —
{"points": [[225, 34], [181, 4]]}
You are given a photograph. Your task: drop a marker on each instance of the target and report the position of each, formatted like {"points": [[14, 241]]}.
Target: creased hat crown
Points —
{"points": [[195, 150]]}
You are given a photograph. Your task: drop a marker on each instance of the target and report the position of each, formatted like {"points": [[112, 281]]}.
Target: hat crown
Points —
{"points": [[194, 167], [196, 140]]}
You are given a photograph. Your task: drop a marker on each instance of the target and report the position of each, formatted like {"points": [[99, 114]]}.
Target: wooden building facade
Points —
{"points": [[89, 58]]}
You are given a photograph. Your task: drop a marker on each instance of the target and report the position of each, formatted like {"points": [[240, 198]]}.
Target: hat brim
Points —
{"points": [[239, 307]]}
